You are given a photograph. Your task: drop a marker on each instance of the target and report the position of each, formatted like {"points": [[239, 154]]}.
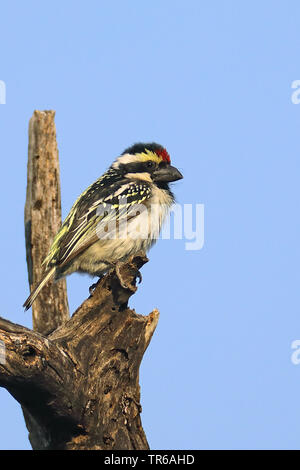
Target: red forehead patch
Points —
{"points": [[164, 155]]}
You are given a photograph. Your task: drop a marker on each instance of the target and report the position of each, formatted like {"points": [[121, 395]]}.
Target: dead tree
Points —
{"points": [[77, 379]]}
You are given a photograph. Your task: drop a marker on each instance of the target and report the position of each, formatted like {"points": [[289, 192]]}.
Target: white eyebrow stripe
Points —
{"points": [[126, 158], [139, 157]]}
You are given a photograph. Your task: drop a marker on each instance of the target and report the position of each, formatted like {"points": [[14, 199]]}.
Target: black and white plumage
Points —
{"points": [[117, 216]]}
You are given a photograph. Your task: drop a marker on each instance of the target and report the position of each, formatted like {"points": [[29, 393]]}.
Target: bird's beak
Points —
{"points": [[166, 174]]}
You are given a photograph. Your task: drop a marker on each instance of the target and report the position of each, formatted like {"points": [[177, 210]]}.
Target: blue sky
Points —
{"points": [[210, 80]]}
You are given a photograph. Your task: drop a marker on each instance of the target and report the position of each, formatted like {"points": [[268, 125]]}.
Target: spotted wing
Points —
{"points": [[94, 215]]}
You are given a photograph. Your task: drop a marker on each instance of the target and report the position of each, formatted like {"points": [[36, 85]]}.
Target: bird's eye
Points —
{"points": [[150, 164]]}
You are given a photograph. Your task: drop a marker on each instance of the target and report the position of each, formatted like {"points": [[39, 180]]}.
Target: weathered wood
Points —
{"points": [[43, 219], [79, 387]]}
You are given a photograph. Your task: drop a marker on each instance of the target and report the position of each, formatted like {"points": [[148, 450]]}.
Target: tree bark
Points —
{"points": [[43, 219], [77, 379]]}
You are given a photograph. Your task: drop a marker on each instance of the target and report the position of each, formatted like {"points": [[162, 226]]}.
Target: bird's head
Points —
{"points": [[149, 162]]}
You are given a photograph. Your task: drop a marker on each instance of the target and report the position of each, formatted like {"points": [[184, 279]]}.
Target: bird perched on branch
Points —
{"points": [[117, 216]]}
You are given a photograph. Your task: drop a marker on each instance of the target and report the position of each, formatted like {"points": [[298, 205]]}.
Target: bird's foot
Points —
{"points": [[93, 286], [139, 276], [121, 275]]}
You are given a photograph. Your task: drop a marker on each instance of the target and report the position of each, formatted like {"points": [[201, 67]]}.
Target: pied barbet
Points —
{"points": [[117, 216]]}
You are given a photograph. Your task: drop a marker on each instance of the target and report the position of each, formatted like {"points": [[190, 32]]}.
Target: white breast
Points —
{"points": [[141, 233], [145, 227]]}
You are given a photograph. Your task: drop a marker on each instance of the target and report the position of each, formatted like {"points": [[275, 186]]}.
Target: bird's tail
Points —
{"points": [[28, 302]]}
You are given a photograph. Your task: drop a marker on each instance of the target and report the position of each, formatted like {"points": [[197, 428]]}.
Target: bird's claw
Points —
{"points": [[93, 286], [119, 274], [139, 276], [122, 281]]}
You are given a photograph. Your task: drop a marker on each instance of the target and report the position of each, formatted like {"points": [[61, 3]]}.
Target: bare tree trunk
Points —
{"points": [[77, 379], [43, 219]]}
